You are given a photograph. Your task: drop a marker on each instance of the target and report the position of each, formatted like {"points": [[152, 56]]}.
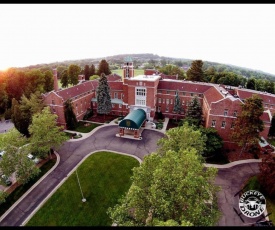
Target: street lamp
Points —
{"points": [[83, 199]]}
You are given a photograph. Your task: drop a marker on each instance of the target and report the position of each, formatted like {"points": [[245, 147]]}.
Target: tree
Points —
{"points": [[174, 188], [15, 158], [48, 86], [103, 68], [172, 70], [92, 70], [3, 98], [87, 72], [214, 142], [194, 112], [195, 72], [73, 72], [267, 174], [45, 134], [177, 105], [64, 79], [248, 125], [104, 105], [22, 113], [181, 138], [251, 83], [69, 114]]}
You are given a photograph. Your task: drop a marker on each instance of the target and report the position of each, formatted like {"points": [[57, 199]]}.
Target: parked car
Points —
{"points": [[2, 153], [6, 180], [36, 160]]}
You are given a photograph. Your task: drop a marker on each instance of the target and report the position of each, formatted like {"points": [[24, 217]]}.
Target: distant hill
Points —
{"points": [[139, 59]]}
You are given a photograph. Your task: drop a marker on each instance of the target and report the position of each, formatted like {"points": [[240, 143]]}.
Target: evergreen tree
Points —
{"points": [[177, 105], [194, 112], [69, 114], [104, 105], [103, 68], [92, 70], [248, 125], [195, 72], [64, 79], [87, 72]]}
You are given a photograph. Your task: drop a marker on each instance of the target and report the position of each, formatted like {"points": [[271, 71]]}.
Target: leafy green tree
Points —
{"points": [[267, 174], [73, 72], [15, 157], [48, 86], [174, 188], [3, 98], [60, 70], [172, 70], [35, 82], [45, 134], [3, 196], [103, 68], [194, 112], [22, 113], [181, 138], [195, 72], [214, 142], [104, 105], [64, 79], [71, 121], [177, 105], [251, 83], [248, 125]]}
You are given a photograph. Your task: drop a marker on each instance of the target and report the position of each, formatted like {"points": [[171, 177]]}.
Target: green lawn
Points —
{"points": [[85, 129], [104, 178], [136, 72]]}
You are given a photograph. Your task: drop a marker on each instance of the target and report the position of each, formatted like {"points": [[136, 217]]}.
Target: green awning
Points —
{"points": [[133, 120]]}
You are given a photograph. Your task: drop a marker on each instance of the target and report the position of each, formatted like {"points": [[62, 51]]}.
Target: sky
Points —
{"points": [[236, 34]]}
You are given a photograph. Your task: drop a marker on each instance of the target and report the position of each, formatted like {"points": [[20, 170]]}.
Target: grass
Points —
{"points": [[136, 72], [104, 178], [85, 129], [20, 190], [253, 184]]}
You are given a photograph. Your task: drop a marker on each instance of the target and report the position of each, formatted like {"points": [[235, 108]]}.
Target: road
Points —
{"points": [[73, 152]]}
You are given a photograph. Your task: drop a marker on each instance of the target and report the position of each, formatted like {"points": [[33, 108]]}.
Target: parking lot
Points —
{"points": [[5, 125]]}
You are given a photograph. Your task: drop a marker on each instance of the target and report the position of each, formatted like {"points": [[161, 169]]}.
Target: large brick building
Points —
{"points": [[155, 92]]}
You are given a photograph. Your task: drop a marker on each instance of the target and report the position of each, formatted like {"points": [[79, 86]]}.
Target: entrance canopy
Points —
{"points": [[133, 120]]}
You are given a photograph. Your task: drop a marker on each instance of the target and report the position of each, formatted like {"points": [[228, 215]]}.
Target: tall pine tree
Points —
{"points": [[103, 68], [104, 105], [194, 112]]}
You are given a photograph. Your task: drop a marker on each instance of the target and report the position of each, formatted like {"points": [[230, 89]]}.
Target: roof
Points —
{"points": [[133, 120], [128, 59]]}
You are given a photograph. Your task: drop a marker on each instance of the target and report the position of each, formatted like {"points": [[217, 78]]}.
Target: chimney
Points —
{"points": [[55, 80]]}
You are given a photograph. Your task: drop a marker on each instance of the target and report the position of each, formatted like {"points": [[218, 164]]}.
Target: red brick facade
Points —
{"points": [[155, 93]]}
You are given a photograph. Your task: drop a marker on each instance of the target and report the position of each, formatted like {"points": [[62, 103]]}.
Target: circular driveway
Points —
{"points": [[72, 152]]}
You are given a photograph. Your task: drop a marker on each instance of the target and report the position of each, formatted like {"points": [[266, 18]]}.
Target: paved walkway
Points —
{"points": [[230, 177]]}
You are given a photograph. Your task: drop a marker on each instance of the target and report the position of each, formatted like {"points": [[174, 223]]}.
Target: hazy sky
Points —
{"points": [[237, 34]]}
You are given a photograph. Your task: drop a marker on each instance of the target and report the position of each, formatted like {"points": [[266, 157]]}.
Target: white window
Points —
{"points": [[171, 101], [120, 106], [223, 124], [213, 123], [167, 109], [167, 101], [159, 100], [225, 112], [235, 113], [183, 102], [115, 95], [140, 96], [232, 125]]}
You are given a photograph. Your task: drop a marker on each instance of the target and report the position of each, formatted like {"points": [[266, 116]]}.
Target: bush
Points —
{"points": [[89, 113]]}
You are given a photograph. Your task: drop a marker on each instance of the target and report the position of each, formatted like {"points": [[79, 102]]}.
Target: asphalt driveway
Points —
{"points": [[73, 152]]}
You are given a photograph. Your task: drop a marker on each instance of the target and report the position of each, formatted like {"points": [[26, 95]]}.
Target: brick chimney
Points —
{"points": [[55, 80]]}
